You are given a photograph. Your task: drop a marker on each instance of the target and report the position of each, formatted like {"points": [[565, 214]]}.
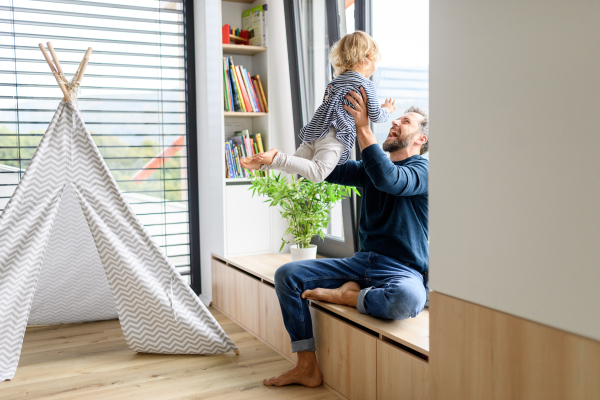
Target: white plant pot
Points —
{"points": [[309, 253]]}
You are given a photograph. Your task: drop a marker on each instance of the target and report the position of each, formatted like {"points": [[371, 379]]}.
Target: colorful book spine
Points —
{"points": [[229, 159], [229, 90], [247, 104], [262, 92], [248, 79], [237, 163], [259, 142], [236, 82], [248, 91], [225, 88], [259, 99], [234, 92]]}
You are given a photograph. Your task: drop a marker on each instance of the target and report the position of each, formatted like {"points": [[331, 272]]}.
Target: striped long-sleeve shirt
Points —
{"points": [[331, 113]]}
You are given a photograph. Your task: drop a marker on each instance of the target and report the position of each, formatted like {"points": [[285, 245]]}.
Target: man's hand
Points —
{"points": [[390, 105], [361, 118]]}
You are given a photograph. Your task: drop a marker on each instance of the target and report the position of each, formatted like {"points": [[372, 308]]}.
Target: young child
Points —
{"points": [[331, 134]]}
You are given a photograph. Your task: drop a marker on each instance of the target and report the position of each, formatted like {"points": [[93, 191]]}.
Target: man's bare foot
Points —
{"points": [[266, 157], [306, 372], [250, 163], [347, 294]]}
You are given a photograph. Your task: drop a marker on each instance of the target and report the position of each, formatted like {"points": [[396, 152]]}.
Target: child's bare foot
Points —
{"points": [[266, 157], [250, 162]]}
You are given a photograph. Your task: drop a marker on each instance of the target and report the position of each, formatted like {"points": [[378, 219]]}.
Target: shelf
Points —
{"points": [[237, 38], [239, 114], [242, 50], [237, 181]]}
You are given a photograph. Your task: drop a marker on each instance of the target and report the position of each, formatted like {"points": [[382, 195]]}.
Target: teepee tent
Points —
{"points": [[68, 236]]}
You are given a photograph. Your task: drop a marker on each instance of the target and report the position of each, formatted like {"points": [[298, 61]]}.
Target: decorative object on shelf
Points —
{"points": [[304, 204], [239, 36], [254, 21]]}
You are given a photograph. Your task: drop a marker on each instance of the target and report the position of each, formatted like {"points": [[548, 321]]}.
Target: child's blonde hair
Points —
{"points": [[352, 51]]}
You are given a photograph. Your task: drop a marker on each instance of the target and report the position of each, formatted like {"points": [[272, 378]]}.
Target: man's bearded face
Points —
{"points": [[402, 133]]}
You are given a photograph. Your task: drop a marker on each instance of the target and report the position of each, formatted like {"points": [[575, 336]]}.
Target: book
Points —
{"points": [[229, 160], [254, 94], [234, 101], [246, 99], [262, 92], [255, 88], [225, 88], [234, 92], [229, 89], [249, 89], [236, 82], [253, 22], [240, 138], [237, 163]]}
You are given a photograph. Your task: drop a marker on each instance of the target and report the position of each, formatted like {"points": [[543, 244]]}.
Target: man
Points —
{"points": [[388, 277]]}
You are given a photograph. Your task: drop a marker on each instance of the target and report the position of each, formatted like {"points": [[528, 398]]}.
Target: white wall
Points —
{"points": [[207, 18], [515, 174]]}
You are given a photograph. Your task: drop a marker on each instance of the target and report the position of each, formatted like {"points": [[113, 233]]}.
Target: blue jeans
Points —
{"points": [[389, 290]]}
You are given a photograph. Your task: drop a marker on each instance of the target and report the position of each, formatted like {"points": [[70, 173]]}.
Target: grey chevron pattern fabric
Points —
{"points": [[157, 310], [71, 267]]}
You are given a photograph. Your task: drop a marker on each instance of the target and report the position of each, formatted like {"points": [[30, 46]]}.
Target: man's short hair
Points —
{"points": [[423, 126]]}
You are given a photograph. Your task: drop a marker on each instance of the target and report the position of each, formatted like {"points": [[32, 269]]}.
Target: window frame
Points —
{"points": [[192, 145], [331, 246]]}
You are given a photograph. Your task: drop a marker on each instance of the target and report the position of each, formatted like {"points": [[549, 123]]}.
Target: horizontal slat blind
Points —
{"points": [[133, 99]]}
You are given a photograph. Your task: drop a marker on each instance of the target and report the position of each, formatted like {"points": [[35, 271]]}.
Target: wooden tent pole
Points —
{"points": [[83, 65], [56, 74], [57, 63]]}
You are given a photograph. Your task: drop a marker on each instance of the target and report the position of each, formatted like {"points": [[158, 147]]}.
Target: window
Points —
{"points": [[314, 26], [133, 99], [401, 29]]}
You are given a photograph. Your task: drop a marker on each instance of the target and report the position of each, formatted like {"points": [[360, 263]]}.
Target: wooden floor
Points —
{"points": [[92, 361]]}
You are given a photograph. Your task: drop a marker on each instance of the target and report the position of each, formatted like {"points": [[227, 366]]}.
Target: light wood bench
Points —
{"points": [[361, 357]]}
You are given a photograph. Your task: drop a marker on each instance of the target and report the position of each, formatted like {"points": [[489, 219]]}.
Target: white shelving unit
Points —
{"points": [[248, 220]]}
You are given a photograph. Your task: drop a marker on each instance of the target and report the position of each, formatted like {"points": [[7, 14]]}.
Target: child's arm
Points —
{"points": [[376, 113]]}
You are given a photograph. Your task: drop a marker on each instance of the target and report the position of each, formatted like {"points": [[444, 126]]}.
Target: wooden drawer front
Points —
{"points": [[400, 375], [218, 285], [271, 329], [346, 355], [236, 294]]}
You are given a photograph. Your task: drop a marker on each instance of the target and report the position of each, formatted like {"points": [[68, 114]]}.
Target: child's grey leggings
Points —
{"points": [[313, 160]]}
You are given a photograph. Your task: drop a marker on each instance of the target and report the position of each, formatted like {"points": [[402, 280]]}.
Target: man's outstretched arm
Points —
{"points": [[352, 173], [385, 175]]}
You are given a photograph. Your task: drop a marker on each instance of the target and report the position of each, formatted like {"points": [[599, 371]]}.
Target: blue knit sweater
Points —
{"points": [[394, 212]]}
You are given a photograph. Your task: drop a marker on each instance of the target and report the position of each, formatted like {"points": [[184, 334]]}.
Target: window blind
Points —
{"points": [[133, 100]]}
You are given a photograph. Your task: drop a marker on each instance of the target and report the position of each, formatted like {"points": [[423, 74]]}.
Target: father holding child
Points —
{"points": [[387, 278]]}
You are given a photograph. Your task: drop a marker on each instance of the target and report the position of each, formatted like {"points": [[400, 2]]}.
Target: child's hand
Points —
{"points": [[390, 105]]}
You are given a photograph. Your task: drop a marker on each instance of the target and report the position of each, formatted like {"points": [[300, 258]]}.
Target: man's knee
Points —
{"points": [[286, 277], [403, 303]]}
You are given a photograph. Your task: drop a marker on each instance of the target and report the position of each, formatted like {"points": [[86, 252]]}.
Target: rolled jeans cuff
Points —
{"points": [[360, 304], [304, 345]]}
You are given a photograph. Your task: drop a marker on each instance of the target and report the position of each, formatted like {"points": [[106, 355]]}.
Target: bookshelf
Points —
{"points": [[240, 50], [231, 114], [247, 220]]}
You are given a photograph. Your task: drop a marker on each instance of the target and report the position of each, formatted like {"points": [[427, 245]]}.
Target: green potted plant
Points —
{"points": [[304, 204]]}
